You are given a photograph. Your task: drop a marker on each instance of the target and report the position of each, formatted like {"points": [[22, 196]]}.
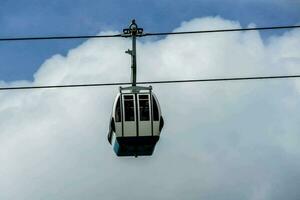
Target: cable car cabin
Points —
{"points": [[136, 122]]}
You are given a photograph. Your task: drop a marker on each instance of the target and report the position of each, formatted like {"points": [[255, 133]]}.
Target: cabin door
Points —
{"points": [[144, 115], [129, 115]]}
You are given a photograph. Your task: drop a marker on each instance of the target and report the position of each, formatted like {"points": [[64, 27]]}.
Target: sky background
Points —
{"points": [[233, 140], [19, 60]]}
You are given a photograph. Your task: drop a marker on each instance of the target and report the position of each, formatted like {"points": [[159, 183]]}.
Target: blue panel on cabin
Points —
{"points": [[135, 146]]}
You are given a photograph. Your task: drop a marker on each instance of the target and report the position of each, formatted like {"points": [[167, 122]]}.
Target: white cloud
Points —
{"points": [[235, 140]]}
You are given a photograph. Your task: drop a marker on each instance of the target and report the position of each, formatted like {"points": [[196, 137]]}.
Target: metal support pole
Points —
{"points": [[133, 31], [133, 61]]}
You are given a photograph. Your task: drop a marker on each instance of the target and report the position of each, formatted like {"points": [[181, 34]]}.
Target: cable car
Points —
{"points": [[136, 122]]}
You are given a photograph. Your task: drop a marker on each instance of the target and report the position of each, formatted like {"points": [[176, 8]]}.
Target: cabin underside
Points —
{"points": [[135, 146]]}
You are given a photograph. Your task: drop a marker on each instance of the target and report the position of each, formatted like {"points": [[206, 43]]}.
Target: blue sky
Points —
{"points": [[19, 60]]}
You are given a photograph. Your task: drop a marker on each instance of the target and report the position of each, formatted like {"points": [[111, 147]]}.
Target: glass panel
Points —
{"points": [[155, 110], [144, 107], [118, 111], [129, 108], [128, 96], [143, 97]]}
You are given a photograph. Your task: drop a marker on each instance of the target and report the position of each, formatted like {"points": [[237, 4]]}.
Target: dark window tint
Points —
{"points": [[129, 108], [143, 97], [118, 111], [127, 97], [144, 107], [155, 110]]}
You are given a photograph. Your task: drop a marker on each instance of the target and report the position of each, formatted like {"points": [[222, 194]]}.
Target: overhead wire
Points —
{"points": [[147, 82], [60, 37], [221, 30], [144, 35], [151, 82]]}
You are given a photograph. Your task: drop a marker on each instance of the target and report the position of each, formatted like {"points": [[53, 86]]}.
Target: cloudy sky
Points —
{"points": [[233, 140]]}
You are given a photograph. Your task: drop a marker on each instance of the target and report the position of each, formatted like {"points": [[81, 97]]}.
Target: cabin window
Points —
{"points": [[129, 107], [155, 110], [144, 107], [118, 111]]}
